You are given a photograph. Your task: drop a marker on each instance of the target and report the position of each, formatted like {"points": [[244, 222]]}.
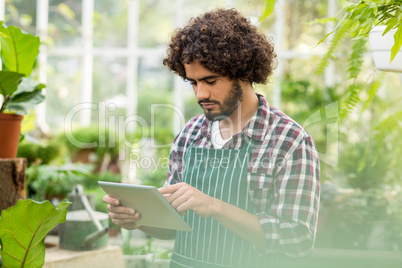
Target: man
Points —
{"points": [[244, 175]]}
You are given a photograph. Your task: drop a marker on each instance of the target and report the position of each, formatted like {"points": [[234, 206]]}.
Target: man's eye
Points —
{"points": [[211, 82], [191, 82]]}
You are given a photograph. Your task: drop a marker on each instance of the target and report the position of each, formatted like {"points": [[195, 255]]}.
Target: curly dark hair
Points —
{"points": [[224, 42]]}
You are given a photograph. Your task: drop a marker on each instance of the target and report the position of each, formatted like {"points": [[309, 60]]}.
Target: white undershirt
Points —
{"points": [[216, 137]]}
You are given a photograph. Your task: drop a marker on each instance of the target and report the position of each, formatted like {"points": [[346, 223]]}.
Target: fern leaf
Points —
{"points": [[351, 100], [356, 58], [339, 36], [355, 65], [372, 92], [386, 127]]}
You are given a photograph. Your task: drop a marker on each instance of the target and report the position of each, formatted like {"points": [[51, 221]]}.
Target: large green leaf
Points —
{"points": [[18, 50], [28, 84], [20, 103], [9, 82], [23, 228], [32, 97]]}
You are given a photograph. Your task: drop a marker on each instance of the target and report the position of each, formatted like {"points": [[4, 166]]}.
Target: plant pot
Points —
{"points": [[381, 48], [10, 126]]}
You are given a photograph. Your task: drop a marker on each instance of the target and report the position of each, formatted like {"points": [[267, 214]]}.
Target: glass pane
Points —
{"points": [[110, 23], [157, 19], [153, 74], [196, 8], [22, 14], [65, 22], [109, 84], [155, 86], [62, 89]]}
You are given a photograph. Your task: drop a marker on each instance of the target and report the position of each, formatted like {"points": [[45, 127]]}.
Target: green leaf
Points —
{"points": [[386, 127], [322, 20], [16, 108], [22, 137], [22, 102], [9, 82], [350, 101], [374, 89], [25, 98], [23, 228], [339, 25], [366, 27], [269, 8], [398, 42], [325, 37], [339, 36], [66, 11], [356, 58], [33, 97], [28, 84], [390, 24], [18, 50]]}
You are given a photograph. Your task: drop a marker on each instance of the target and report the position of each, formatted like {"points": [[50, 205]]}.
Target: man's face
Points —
{"points": [[217, 95]]}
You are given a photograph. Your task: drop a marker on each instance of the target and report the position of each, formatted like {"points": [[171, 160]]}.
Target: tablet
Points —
{"points": [[154, 209]]}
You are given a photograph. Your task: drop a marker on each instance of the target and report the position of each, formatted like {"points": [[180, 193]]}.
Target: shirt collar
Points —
{"points": [[256, 128], [258, 125]]}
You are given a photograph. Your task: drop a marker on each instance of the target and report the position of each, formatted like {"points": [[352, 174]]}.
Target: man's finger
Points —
{"points": [[135, 217], [170, 188], [110, 200], [176, 202], [120, 209], [183, 209], [166, 196], [182, 213]]}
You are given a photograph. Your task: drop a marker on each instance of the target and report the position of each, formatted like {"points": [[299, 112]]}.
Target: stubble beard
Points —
{"points": [[231, 102]]}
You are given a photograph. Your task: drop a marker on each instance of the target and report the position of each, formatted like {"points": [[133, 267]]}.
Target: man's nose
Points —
{"points": [[202, 92]]}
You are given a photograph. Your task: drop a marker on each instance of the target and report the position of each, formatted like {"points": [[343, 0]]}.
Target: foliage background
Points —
{"points": [[361, 188]]}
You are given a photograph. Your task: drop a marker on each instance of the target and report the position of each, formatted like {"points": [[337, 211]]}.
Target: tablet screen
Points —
{"points": [[154, 209]]}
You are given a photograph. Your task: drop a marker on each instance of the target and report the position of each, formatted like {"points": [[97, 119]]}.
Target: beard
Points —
{"points": [[230, 103]]}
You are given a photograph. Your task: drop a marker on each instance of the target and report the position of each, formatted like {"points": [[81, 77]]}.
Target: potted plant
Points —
{"points": [[355, 22], [55, 182], [18, 53], [361, 19], [383, 22]]}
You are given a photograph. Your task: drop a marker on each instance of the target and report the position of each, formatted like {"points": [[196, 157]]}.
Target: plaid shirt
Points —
{"points": [[283, 174]]}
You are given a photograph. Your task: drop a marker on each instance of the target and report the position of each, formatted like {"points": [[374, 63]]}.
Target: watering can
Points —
{"points": [[84, 229]]}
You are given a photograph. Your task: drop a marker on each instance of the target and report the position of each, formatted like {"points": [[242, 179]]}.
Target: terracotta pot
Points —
{"points": [[10, 126]]}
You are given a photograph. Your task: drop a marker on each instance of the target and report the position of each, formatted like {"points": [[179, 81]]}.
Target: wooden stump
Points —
{"points": [[12, 181]]}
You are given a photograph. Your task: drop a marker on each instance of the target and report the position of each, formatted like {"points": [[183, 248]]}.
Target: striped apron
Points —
{"points": [[220, 173]]}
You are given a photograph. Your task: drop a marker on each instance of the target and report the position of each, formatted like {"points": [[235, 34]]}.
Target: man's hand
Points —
{"points": [[121, 216], [184, 197]]}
